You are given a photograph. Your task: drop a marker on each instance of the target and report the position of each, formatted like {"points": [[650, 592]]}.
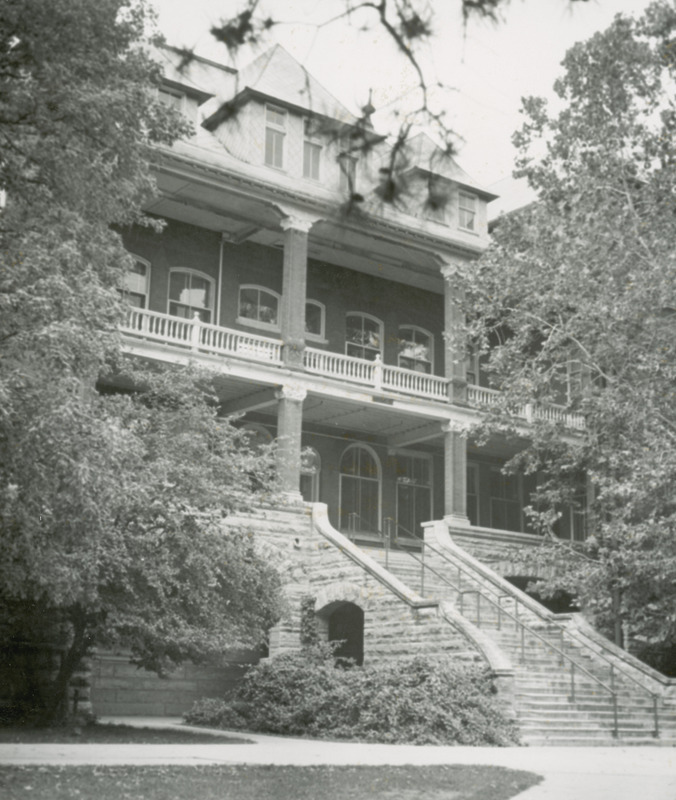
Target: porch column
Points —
{"points": [[455, 476], [289, 426], [455, 364], [294, 281]]}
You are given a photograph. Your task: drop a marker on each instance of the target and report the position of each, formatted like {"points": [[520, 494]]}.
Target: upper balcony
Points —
{"points": [[199, 338]]}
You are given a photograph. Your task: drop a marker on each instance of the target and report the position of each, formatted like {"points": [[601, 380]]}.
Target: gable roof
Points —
{"points": [[426, 156], [277, 76]]}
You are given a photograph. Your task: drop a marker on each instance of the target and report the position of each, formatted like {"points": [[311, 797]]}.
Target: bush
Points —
{"points": [[408, 700]]}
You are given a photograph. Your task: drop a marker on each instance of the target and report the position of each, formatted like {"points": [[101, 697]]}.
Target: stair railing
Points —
{"points": [[520, 626], [390, 542], [612, 667]]}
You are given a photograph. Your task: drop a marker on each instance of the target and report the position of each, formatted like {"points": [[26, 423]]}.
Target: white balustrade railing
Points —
{"points": [[419, 384], [483, 396], [207, 338], [337, 365], [198, 335]]}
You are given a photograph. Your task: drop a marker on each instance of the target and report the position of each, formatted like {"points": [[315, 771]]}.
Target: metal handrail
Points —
{"points": [[518, 624], [612, 668]]}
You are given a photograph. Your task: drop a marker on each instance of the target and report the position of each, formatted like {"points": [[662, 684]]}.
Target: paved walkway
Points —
{"points": [[570, 773]]}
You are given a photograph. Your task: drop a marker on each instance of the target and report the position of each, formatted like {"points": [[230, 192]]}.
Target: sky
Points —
{"points": [[488, 67]]}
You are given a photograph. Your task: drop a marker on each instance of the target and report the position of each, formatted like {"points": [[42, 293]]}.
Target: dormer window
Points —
{"points": [[171, 98], [467, 208], [275, 131], [312, 151]]}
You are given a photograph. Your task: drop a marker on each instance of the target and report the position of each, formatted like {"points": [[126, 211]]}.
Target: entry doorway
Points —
{"points": [[414, 494]]}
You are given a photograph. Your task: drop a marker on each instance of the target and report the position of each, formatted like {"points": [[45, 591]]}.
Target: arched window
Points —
{"points": [[258, 307], [136, 283], [363, 336], [416, 349], [310, 469], [315, 316], [190, 292], [359, 490]]}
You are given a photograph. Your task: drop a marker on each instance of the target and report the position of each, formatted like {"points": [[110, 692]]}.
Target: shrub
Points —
{"points": [[408, 700]]}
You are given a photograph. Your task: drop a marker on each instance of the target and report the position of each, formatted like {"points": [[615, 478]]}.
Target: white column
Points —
{"points": [[289, 429], [455, 476], [294, 283], [455, 348]]}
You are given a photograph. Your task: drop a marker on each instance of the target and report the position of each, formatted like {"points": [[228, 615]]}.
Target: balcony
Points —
{"points": [[200, 337]]}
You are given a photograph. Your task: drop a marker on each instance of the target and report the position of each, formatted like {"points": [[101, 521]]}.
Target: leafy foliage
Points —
{"points": [[111, 506], [414, 700], [574, 303]]}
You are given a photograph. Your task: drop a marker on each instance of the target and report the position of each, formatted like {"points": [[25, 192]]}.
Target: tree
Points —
{"points": [[111, 505], [575, 302]]}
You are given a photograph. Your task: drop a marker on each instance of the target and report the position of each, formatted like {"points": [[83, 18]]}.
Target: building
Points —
{"points": [[326, 313]]}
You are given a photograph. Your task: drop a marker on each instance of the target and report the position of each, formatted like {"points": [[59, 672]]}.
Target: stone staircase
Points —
{"points": [[563, 687], [564, 683]]}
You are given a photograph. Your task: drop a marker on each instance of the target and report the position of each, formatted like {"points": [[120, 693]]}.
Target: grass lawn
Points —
{"points": [[109, 734], [263, 783]]}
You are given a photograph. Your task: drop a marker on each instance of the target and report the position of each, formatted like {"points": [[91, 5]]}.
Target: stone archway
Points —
{"points": [[345, 624]]}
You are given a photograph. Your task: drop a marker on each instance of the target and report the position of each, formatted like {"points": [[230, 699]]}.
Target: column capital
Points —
{"points": [[453, 426], [298, 222], [451, 269], [291, 392]]}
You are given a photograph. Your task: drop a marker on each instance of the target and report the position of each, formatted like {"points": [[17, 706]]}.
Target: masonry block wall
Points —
{"points": [[122, 689], [310, 565]]}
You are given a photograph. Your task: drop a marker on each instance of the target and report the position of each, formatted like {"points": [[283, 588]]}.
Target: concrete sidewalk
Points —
{"points": [[594, 773]]}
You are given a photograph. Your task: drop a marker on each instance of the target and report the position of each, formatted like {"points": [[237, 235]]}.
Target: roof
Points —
{"points": [[195, 75], [423, 154], [275, 74]]}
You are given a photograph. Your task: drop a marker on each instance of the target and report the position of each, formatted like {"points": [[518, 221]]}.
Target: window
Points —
{"points": [[135, 284], [416, 349], [472, 366], [473, 493], [172, 99], [312, 151], [348, 173], [414, 493], [258, 307], [314, 320], [505, 501], [310, 468], [576, 382], [436, 204], [364, 336], [359, 490], [275, 130], [467, 208], [190, 292]]}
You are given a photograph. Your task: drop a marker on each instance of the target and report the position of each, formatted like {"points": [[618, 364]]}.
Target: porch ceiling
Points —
{"points": [[242, 217], [350, 420]]}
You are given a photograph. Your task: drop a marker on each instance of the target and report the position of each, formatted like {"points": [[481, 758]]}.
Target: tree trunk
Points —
{"points": [[57, 709]]}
